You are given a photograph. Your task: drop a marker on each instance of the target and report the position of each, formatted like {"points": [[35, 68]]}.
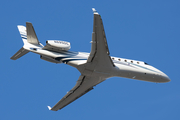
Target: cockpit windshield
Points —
{"points": [[146, 63]]}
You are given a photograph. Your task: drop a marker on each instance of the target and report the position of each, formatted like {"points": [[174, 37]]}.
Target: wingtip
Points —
{"points": [[94, 11], [49, 107]]}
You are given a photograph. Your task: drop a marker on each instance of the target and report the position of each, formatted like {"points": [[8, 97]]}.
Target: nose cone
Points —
{"points": [[162, 77], [165, 78]]}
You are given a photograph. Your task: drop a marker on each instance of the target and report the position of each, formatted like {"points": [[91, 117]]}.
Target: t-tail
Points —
{"points": [[29, 39]]}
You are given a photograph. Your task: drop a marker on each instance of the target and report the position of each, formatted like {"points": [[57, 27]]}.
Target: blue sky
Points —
{"points": [[141, 30]]}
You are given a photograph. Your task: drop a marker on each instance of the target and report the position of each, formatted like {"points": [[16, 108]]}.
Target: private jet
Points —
{"points": [[95, 67]]}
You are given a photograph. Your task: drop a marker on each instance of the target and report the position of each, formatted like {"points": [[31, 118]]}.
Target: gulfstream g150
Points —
{"points": [[95, 67]]}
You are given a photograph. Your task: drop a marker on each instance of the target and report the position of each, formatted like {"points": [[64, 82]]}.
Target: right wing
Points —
{"points": [[83, 85]]}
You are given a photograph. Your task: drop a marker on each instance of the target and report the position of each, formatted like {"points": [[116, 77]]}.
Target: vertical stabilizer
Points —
{"points": [[22, 31], [22, 51], [29, 38]]}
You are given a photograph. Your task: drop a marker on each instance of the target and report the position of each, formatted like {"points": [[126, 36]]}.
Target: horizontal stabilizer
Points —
{"points": [[31, 35], [19, 54]]}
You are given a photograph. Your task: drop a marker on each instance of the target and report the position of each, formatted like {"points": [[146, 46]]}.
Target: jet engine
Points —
{"points": [[49, 59], [57, 45]]}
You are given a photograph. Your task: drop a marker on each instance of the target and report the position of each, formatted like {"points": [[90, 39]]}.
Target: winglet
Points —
{"points": [[94, 11], [49, 107]]}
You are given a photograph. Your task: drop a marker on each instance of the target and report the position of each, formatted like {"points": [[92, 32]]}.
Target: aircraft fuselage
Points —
{"points": [[126, 68]]}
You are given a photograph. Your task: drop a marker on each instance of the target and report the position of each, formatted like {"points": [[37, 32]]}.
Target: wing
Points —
{"points": [[99, 48], [98, 62], [83, 85]]}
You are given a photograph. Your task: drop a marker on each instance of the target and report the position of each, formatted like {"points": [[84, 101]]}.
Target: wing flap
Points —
{"points": [[93, 48]]}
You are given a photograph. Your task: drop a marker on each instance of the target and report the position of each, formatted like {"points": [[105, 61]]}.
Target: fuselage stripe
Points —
{"points": [[71, 60]]}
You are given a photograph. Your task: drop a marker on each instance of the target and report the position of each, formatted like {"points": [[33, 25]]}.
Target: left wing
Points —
{"points": [[83, 85], [99, 48]]}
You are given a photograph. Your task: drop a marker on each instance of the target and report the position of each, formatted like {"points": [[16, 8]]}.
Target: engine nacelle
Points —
{"points": [[57, 44], [49, 59]]}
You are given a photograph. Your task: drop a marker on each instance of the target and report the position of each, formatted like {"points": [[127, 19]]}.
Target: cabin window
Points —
{"points": [[137, 62], [131, 61], [112, 58], [119, 59], [125, 60]]}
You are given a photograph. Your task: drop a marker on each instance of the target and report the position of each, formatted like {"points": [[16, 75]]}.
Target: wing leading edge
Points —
{"points": [[83, 85], [98, 59]]}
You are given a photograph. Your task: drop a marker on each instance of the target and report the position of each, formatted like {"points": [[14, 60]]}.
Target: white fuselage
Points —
{"points": [[127, 68]]}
